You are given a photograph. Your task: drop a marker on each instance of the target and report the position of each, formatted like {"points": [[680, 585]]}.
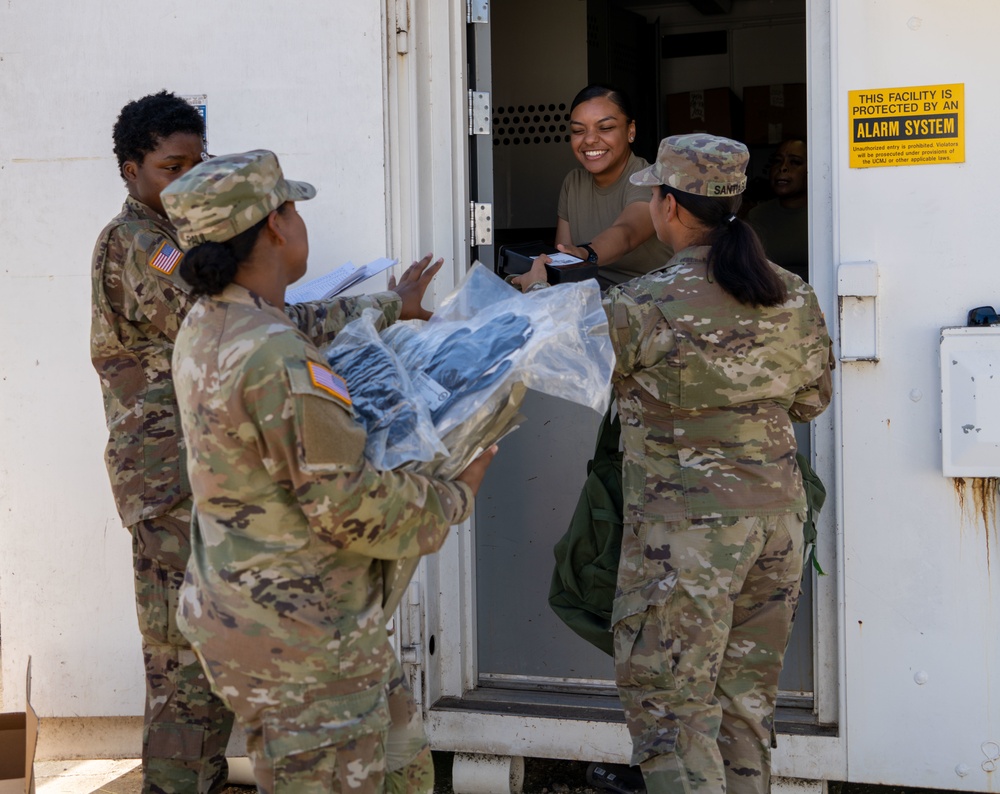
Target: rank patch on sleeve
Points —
{"points": [[325, 379], [166, 258]]}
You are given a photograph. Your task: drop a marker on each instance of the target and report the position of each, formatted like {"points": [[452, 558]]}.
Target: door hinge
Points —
{"points": [[402, 27], [479, 112], [411, 639], [481, 223], [477, 11]]}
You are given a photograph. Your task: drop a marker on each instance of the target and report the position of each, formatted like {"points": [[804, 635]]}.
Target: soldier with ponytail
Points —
{"points": [[283, 600], [717, 353], [737, 258]]}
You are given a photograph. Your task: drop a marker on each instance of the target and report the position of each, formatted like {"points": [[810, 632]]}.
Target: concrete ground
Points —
{"points": [[125, 777], [542, 776], [83, 777], [90, 777]]}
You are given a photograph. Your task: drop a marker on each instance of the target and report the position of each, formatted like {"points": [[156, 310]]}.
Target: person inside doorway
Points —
{"points": [[283, 599], [717, 353], [783, 222], [602, 217]]}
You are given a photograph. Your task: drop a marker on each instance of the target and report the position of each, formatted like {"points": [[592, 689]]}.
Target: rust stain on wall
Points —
{"points": [[978, 496]]}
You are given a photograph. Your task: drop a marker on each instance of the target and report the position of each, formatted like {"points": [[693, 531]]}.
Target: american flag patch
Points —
{"points": [[166, 258], [325, 379]]}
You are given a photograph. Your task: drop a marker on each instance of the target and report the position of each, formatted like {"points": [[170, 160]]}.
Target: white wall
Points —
{"points": [[918, 588], [920, 641], [304, 79]]}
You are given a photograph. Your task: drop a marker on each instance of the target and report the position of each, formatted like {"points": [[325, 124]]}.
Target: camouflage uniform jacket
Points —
{"points": [[285, 576], [707, 389], [138, 301]]}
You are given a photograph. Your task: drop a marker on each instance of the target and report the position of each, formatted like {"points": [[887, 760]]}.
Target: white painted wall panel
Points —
{"points": [[921, 650], [305, 80]]}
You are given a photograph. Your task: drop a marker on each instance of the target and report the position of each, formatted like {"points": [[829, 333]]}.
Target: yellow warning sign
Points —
{"points": [[917, 125]]}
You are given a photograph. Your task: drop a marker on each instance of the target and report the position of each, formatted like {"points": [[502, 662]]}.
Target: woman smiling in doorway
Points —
{"points": [[604, 218]]}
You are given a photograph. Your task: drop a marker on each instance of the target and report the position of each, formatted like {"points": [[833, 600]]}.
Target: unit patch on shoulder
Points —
{"points": [[166, 259], [328, 381]]}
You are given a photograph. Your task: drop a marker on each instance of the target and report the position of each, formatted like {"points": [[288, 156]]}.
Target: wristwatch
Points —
{"points": [[591, 253]]}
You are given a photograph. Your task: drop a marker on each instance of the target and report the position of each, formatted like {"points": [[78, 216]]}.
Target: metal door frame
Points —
{"points": [[433, 185]]}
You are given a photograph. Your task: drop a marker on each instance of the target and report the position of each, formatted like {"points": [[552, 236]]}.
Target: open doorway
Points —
{"points": [[729, 67]]}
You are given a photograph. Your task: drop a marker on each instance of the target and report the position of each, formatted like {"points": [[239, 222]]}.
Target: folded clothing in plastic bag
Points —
{"points": [[453, 361], [398, 423], [461, 367]]}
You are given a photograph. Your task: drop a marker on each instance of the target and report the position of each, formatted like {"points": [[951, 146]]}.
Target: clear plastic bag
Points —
{"points": [[570, 355], [470, 364], [465, 372], [398, 423]]}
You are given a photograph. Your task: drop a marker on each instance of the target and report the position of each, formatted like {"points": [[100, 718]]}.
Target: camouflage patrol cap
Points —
{"points": [[698, 163], [221, 197]]}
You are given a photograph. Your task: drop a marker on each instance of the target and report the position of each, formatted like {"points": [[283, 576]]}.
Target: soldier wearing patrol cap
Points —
{"points": [[138, 302], [718, 351], [283, 597]]}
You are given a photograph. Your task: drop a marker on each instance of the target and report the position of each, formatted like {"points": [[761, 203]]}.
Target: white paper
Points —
{"points": [[336, 281], [324, 286], [377, 266], [562, 260]]}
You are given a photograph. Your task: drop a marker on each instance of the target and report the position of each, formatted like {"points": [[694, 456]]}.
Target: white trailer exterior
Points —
{"points": [[369, 101]]}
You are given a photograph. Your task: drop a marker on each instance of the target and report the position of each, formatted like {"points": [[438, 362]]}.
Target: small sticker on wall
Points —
{"points": [[200, 103]]}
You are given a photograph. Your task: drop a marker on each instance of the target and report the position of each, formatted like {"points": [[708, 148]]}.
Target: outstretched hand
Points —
{"points": [[473, 473], [412, 286], [533, 276], [574, 250]]}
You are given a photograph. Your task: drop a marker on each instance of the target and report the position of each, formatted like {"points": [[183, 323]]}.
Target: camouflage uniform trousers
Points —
{"points": [[186, 727], [395, 759], [702, 619]]}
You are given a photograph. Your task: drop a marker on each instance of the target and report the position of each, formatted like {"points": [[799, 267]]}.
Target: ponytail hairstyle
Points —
{"points": [[736, 259], [211, 267]]}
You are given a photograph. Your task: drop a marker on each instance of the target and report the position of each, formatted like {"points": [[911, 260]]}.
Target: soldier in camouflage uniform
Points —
{"points": [[717, 353], [138, 302], [283, 597]]}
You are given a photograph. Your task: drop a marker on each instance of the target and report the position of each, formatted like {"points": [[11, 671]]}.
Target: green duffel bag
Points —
{"points": [[583, 582], [582, 592]]}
